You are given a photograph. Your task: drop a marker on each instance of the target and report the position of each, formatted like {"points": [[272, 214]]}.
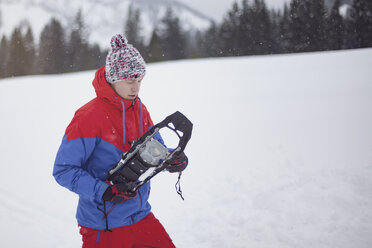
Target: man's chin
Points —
{"points": [[131, 97]]}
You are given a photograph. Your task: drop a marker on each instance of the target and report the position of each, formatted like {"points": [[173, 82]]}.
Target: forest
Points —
{"points": [[248, 28]]}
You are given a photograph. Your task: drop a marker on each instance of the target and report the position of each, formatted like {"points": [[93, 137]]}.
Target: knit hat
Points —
{"points": [[123, 61]]}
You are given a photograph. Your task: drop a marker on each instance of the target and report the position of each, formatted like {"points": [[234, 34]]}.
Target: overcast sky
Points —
{"points": [[218, 8]]}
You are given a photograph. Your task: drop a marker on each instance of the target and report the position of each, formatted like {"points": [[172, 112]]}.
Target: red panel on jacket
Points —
{"points": [[103, 116]]}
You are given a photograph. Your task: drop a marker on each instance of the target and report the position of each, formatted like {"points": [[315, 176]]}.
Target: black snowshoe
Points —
{"points": [[147, 156]]}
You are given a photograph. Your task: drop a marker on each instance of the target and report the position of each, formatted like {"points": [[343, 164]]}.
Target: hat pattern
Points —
{"points": [[123, 61]]}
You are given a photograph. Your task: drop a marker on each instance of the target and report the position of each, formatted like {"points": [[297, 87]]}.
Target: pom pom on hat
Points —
{"points": [[123, 61], [118, 41]]}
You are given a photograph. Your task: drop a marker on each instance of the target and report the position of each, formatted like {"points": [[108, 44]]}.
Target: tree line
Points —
{"points": [[302, 26], [56, 51], [249, 28]]}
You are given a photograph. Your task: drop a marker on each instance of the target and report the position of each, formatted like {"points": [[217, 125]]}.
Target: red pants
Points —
{"points": [[148, 232]]}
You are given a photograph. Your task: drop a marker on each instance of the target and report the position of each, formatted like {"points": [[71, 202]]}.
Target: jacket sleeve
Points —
{"points": [[70, 167]]}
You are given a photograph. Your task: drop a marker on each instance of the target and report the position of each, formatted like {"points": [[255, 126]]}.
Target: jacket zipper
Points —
{"points": [[135, 117]]}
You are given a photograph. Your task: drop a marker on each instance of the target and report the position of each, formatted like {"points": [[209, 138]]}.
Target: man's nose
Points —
{"points": [[135, 87]]}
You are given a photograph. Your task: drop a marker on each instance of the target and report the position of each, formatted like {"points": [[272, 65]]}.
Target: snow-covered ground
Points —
{"points": [[281, 153]]}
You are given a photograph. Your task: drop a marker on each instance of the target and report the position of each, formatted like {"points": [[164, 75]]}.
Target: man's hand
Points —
{"points": [[118, 193], [179, 164]]}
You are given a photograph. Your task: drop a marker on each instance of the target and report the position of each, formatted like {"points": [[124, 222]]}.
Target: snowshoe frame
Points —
{"points": [[176, 122]]}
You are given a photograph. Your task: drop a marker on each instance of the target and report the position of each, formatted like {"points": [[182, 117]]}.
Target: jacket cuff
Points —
{"points": [[101, 190]]}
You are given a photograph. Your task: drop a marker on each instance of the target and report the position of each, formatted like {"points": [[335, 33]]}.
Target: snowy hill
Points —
{"points": [[281, 153], [103, 18]]}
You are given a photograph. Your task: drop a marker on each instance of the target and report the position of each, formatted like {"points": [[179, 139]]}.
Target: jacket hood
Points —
{"points": [[105, 92]]}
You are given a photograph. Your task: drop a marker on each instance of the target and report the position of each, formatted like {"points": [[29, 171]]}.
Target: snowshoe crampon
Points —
{"points": [[147, 156]]}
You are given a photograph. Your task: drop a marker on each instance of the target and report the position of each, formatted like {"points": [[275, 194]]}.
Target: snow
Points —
{"points": [[281, 153], [344, 9]]}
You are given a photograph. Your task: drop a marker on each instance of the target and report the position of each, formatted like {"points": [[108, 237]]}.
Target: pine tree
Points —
{"points": [[173, 41], [52, 54], [275, 17], [96, 58], [208, 42], [335, 28], [133, 30], [317, 25], [307, 25], [245, 29], [78, 46], [16, 64], [284, 31], [191, 45], [361, 22], [3, 57], [30, 56], [229, 38], [261, 31], [154, 50]]}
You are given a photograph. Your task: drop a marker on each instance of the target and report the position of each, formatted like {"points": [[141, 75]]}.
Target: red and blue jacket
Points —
{"points": [[94, 141]]}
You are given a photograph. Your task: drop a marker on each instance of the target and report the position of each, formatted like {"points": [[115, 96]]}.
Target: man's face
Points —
{"points": [[128, 89]]}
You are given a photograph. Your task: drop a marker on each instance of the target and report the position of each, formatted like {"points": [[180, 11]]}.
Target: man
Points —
{"points": [[94, 141]]}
